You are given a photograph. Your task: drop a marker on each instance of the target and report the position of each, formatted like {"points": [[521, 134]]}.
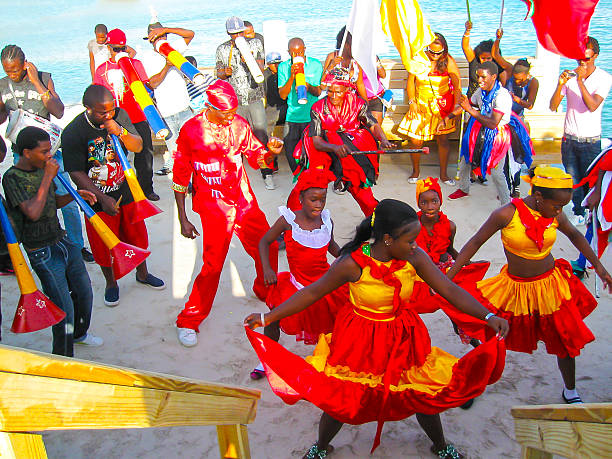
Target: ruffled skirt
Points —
{"points": [[378, 369], [548, 308], [318, 318]]}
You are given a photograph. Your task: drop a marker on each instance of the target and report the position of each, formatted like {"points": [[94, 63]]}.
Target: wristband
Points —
{"points": [[262, 318], [488, 316], [124, 132]]}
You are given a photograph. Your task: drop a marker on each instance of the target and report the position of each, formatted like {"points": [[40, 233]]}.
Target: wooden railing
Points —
{"points": [[572, 431], [41, 392]]}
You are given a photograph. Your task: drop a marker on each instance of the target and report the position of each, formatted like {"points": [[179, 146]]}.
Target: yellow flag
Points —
{"points": [[404, 24]]}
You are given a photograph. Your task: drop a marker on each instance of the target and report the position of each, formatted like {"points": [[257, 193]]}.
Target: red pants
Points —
{"points": [[219, 221], [365, 198], [124, 229]]}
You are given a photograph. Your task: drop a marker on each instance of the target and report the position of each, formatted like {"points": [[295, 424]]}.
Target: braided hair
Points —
{"points": [[11, 53]]}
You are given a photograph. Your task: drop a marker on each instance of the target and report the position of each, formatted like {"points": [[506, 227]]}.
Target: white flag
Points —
{"points": [[366, 29]]}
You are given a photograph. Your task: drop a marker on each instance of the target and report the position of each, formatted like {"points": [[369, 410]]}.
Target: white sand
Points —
{"points": [[140, 333]]}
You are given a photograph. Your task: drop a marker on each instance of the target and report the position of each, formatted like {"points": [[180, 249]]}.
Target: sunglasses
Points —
{"points": [[118, 49], [435, 53]]}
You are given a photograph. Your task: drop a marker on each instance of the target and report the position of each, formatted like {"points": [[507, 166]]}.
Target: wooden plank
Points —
{"points": [[582, 440], [36, 403], [15, 360], [22, 446], [532, 453], [233, 442], [586, 412]]}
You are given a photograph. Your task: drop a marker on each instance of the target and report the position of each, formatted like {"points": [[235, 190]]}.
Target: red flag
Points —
{"points": [[562, 26]]}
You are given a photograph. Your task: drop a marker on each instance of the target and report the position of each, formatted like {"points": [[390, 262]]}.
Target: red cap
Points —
{"points": [[116, 37], [314, 178], [222, 96]]}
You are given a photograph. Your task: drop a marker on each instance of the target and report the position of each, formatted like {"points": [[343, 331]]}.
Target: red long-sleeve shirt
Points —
{"points": [[213, 155]]}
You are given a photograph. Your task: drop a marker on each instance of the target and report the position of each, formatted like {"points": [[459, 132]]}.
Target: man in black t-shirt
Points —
{"points": [[93, 165], [32, 204]]}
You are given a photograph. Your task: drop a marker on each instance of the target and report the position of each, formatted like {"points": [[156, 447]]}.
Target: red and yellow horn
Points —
{"points": [[125, 257], [34, 311], [141, 207]]}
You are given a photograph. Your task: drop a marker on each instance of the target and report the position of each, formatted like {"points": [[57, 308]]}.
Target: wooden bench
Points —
{"points": [[43, 392], [572, 431]]}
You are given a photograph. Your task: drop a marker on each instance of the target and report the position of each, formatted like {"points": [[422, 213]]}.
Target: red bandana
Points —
{"points": [[221, 96], [534, 225], [314, 178]]}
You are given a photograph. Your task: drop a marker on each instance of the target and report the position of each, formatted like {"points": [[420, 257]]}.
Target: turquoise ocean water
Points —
{"points": [[54, 33]]}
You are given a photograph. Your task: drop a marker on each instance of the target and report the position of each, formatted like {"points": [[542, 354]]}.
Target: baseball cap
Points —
{"points": [[273, 57], [155, 25], [116, 37], [234, 25]]}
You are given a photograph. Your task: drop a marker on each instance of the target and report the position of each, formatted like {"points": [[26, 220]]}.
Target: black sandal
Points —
{"points": [[257, 374], [448, 452], [315, 453]]}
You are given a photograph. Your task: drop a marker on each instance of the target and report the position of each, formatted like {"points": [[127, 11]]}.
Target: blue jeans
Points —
{"points": [[581, 262], [70, 212], [65, 281], [576, 157], [255, 114]]}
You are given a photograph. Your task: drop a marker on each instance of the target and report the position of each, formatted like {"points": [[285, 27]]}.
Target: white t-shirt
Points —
{"points": [[502, 103], [579, 120], [100, 52], [171, 96]]}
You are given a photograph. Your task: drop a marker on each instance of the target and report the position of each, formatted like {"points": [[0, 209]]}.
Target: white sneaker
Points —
{"points": [[269, 182], [187, 337], [90, 340], [578, 220]]}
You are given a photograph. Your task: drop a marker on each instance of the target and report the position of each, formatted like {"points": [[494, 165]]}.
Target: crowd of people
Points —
{"points": [[400, 263]]}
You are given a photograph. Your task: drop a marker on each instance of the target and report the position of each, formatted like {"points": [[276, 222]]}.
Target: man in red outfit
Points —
{"points": [[341, 124], [210, 148]]}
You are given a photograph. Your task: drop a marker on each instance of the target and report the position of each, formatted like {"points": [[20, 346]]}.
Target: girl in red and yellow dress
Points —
{"points": [[432, 98], [538, 295], [436, 239], [308, 236], [378, 363]]}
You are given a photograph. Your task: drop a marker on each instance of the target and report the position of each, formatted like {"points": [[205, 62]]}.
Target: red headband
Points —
{"points": [[221, 96], [429, 183], [314, 178]]}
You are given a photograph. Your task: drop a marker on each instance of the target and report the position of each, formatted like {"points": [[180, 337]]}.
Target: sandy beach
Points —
{"points": [[140, 333]]}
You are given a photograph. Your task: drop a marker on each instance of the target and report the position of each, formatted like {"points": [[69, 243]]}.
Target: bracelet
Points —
{"points": [[466, 34], [488, 316], [47, 93], [262, 318], [410, 102], [124, 132]]}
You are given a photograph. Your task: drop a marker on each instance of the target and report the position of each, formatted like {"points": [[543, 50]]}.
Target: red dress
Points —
{"points": [[378, 364], [436, 244], [307, 256], [349, 126]]}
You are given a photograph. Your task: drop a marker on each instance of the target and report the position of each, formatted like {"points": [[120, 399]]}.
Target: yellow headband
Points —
{"points": [[549, 177]]}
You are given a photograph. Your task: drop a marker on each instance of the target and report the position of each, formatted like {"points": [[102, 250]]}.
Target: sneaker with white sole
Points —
{"points": [[187, 337], [269, 182], [90, 340], [578, 220]]}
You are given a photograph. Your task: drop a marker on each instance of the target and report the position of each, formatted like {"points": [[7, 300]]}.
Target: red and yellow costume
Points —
{"points": [[436, 244], [550, 307], [211, 156], [434, 99], [378, 364], [348, 125]]}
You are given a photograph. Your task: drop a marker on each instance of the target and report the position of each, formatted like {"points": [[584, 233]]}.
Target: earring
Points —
{"points": [[387, 243]]}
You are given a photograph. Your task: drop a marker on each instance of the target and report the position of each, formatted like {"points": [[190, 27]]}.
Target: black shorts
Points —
{"points": [[375, 105]]}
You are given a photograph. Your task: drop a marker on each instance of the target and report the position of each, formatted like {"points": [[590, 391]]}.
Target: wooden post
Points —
{"points": [[233, 442], [532, 453], [22, 446]]}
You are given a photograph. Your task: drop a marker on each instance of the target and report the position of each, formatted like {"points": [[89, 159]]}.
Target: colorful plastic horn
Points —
{"points": [[141, 207], [177, 59], [300, 80], [157, 123], [125, 257], [250, 61], [34, 311]]}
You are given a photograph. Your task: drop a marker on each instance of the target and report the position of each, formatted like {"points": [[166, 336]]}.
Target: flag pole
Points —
{"points": [[467, 4], [341, 50], [501, 17], [460, 141]]}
